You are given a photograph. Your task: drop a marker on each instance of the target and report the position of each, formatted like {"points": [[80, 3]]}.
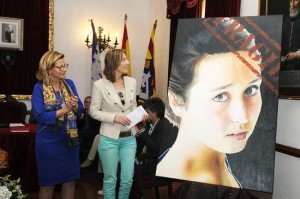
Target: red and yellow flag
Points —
{"points": [[148, 87], [125, 45]]}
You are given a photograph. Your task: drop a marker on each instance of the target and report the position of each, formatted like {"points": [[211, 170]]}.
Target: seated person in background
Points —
{"points": [[88, 127], [89, 130], [89, 160], [153, 137], [92, 154], [157, 136]]}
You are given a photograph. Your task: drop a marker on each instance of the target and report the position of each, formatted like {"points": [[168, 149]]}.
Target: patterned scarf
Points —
{"points": [[52, 103]]}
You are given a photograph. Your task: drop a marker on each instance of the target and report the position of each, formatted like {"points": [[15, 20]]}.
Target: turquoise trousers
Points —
{"points": [[112, 151]]}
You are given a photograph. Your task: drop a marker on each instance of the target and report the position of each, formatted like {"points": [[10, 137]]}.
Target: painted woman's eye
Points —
{"points": [[221, 97], [252, 90]]}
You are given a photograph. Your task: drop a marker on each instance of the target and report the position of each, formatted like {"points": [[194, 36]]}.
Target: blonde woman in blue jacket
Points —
{"points": [[113, 97]]}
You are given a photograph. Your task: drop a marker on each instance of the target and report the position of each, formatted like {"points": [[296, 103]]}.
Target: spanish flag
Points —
{"points": [[148, 88], [125, 45]]}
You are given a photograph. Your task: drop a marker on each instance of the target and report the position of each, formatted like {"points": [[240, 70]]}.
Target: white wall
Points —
{"points": [[71, 26], [249, 8], [287, 175]]}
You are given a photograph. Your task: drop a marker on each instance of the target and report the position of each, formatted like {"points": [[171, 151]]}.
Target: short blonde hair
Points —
{"points": [[47, 62]]}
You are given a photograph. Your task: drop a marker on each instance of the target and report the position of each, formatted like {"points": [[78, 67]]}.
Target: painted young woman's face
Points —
{"points": [[224, 102]]}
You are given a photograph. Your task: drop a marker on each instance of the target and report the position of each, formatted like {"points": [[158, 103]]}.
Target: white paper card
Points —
{"points": [[136, 116]]}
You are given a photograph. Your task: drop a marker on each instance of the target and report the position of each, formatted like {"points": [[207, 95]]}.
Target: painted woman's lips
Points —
{"points": [[238, 136]]}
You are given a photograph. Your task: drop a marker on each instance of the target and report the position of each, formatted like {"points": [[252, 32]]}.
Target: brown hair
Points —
{"points": [[112, 60], [47, 62]]}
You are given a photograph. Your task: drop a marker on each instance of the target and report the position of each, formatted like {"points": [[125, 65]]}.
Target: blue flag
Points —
{"points": [[96, 71]]}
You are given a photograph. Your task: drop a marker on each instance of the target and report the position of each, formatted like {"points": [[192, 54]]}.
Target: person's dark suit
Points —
{"points": [[91, 123], [290, 42], [153, 143], [8, 36], [169, 137], [163, 137]]}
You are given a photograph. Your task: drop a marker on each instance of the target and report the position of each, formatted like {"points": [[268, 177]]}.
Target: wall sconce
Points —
{"points": [[103, 42], [7, 58]]}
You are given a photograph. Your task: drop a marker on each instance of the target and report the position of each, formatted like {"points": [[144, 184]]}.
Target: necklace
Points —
{"points": [[121, 95]]}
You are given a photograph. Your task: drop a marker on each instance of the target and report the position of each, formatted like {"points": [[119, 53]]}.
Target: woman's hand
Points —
{"points": [[291, 56], [122, 119], [140, 125], [72, 103], [68, 106], [145, 117]]}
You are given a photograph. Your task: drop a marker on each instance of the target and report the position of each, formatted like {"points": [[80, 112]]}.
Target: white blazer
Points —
{"points": [[106, 104]]}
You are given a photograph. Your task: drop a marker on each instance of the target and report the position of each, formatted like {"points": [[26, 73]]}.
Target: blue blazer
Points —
{"points": [[38, 105]]}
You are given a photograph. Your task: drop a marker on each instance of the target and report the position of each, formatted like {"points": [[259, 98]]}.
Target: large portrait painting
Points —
{"points": [[223, 96], [289, 86]]}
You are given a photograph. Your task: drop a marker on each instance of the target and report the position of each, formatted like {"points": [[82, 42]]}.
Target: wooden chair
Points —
{"points": [[12, 111], [147, 182]]}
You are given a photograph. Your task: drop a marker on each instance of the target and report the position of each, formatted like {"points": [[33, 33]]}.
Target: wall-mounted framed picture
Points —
{"points": [[289, 81], [11, 30]]}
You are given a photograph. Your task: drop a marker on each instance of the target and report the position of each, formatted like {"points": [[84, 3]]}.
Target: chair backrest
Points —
{"points": [[32, 117], [12, 111]]}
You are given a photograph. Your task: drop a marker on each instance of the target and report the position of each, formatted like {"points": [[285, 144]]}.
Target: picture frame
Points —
{"points": [[289, 82], [11, 30]]}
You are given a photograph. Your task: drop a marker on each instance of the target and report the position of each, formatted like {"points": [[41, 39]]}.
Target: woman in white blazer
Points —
{"points": [[113, 97]]}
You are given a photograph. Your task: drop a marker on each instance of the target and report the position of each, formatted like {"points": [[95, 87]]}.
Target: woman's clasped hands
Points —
{"points": [[72, 103]]}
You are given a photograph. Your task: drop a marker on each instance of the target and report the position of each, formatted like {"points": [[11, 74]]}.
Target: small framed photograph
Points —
{"points": [[11, 30]]}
